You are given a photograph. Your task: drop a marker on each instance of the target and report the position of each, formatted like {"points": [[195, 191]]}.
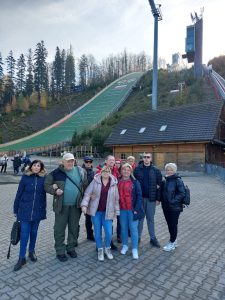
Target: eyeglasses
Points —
{"points": [[146, 156], [88, 162]]}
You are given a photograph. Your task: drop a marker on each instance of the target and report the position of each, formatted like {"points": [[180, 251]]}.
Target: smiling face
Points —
{"points": [[68, 164], [110, 161], [126, 172], [36, 168], [169, 171]]}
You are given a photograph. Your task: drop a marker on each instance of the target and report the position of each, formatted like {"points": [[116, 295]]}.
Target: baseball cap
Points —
{"points": [[88, 158], [68, 156]]}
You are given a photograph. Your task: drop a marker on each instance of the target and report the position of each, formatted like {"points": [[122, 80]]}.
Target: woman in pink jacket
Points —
{"points": [[101, 202]]}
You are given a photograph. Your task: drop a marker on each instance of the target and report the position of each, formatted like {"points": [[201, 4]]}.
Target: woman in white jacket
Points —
{"points": [[101, 202]]}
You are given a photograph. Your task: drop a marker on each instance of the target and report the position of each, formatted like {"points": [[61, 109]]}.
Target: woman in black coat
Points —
{"points": [[30, 208], [172, 194]]}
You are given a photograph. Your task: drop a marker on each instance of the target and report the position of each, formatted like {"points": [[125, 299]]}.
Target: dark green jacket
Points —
{"points": [[58, 176]]}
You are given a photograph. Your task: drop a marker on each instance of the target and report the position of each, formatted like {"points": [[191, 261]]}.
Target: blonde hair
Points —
{"points": [[126, 165], [106, 169], [173, 166], [131, 157]]}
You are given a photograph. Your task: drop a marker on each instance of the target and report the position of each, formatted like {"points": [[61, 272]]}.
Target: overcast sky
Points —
{"points": [[103, 27]]}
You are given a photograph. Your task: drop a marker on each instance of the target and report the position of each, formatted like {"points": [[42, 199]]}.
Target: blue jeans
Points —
{"points": [[127, 222], [28, 230], [98, 221], [149, 209]]}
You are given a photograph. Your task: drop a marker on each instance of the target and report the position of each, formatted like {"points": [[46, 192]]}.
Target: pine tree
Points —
{"points": [[29, 77], [57, 71], [69, 72], [83, 65], [20, 80], [1, 80], [40, 69], [9, 82]]}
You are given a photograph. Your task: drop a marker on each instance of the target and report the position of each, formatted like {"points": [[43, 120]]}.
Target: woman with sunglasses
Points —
{"points": [[30, 208], [101, 202]]}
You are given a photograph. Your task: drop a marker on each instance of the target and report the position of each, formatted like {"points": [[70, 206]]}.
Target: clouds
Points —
{"points": [[101, 27]]}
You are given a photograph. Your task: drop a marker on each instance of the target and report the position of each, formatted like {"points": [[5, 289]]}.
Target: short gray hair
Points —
{"points": [[173, 166]]}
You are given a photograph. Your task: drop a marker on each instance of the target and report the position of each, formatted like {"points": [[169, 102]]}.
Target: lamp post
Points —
{"points": [[157, 17]]}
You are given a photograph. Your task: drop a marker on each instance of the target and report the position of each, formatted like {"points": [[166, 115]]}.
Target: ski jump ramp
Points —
{"points": [[85, 117]]}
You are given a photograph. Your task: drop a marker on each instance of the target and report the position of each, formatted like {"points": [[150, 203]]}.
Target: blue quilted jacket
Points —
{"points": [[30, 201]]}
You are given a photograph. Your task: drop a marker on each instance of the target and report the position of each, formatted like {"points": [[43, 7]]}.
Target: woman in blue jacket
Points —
{"points": [[30, 209]]}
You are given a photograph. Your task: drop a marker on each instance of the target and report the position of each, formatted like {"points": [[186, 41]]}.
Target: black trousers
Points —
{"points": [[3, 168], [88, 225], [172, 223]]}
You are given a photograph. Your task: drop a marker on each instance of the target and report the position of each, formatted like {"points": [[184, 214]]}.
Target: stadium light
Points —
{"points": [[157, 17]]}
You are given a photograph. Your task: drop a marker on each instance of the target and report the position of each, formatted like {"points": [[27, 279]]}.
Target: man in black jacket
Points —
{"points": [[150, 179]]}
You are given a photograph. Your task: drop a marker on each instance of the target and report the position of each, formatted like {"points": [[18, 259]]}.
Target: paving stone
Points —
{"points": [[193, 271]]}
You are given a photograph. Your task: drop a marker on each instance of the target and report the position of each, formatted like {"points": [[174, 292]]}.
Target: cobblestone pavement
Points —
{"points": [[195, 270]]}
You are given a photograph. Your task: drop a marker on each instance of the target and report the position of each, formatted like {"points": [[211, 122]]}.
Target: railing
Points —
{"points": [[215, 170], [219, 82]]}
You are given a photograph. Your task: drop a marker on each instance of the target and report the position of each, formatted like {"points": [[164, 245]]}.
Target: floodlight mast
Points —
{"points": [[157, 17]]}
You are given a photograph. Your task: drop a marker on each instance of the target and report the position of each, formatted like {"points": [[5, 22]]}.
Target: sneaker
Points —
{"points": [[135, 253], [175, 244], [32, 256], [154, 242], [100, 254], [108, 253], [124, 249], [113, 247], [169, 247], [62, 257], [21, 262]]}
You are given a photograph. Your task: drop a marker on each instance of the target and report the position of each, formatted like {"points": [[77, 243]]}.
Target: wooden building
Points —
{"points": [[189, 135]]}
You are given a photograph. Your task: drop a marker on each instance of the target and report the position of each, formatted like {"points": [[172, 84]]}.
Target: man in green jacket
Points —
{"points": [[67, 184]]}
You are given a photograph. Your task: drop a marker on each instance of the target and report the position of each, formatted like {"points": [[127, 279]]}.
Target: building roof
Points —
{"points": [[189, 123]]}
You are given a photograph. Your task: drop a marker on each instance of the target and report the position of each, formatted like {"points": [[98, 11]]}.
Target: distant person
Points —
{"points": [[30, 209], [150, 179], [101, 202], [4, 160], [16, 163], [26, 162], [131, 161], [67, 184], [131, 209], [172, 194], [87, 165]]}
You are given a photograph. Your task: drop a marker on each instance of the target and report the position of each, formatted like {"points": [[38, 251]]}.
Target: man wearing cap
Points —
{"points": [[87, 165], [67, 184]]}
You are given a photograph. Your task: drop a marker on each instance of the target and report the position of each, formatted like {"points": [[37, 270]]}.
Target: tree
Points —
{"points": [[21, 80], [29, 77], [40, 69], [1, 80], [83, 65], [69, 72], [9, 84], [58, 72]]}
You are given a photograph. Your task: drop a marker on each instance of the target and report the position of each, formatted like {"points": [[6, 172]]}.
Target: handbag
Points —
{"points": [[14, 236]]}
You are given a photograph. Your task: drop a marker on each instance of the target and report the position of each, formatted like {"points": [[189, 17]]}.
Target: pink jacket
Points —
{"points": [[94, 188]]}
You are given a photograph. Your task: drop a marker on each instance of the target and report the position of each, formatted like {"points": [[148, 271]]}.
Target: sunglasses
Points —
{"points": [[146, 156], [88, 162]]}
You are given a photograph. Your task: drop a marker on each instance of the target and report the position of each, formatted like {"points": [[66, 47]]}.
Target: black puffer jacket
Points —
{"points": [[155, 180], [172, 193]]}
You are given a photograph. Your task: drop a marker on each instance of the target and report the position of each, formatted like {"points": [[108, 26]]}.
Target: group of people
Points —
{"points": [[123, 190], [17, 163]]}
